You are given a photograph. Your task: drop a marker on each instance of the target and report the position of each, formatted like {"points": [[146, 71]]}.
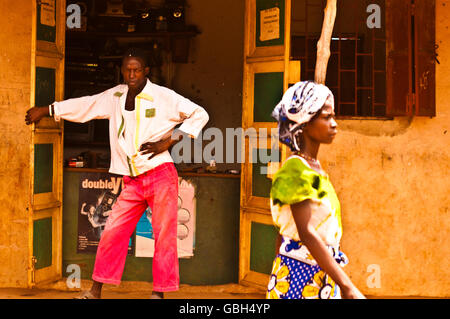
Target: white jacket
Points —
{"points": [[158, 111]]}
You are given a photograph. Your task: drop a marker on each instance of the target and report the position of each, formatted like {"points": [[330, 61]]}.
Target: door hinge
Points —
{"points": [[413, 9], [33, 270]]}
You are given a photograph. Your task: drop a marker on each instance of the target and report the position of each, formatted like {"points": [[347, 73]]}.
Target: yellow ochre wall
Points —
{"points": [[15, 137], [392, 178]]}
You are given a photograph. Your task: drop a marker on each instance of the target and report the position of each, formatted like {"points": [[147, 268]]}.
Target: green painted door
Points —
{"points": [[267, 75], [45, 220]]}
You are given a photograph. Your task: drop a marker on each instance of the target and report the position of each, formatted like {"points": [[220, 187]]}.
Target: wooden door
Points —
{"points": [[46, 162], [268, 72]]}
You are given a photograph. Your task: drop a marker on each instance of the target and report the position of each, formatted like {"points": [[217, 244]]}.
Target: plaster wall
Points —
{"points": [[392, 180], [15, 137]]}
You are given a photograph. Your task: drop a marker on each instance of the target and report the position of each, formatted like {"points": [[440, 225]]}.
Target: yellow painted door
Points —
{"points": [[268, 71], [46, 162]]}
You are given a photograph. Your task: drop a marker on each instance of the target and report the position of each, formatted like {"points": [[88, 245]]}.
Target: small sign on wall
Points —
{"points": [[270, 24], [48, 13]]}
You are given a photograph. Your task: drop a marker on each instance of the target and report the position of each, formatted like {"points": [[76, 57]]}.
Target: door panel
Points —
{"points": [[47, 170], [46, 21], [43, 169], [260, 39], [256, 183], [45, 85], [264, 84], [42, 242], [269, 10], [46, 163], [262, 247], [267, 74], [268, 90], [258, 242], [46, 248]]}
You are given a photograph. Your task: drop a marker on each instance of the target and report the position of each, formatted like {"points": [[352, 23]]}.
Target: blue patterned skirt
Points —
{"points": [[294, 279]]}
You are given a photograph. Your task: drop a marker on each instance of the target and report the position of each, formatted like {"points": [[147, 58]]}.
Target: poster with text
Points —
{"points": [[270, 24], [98, 192], [48, 11], [145, 240]]}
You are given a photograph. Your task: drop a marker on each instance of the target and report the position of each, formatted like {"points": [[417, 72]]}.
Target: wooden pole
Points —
{"points": [[324, 43]]}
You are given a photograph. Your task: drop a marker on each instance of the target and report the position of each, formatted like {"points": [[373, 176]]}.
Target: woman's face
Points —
{"points": [[323, 128]]}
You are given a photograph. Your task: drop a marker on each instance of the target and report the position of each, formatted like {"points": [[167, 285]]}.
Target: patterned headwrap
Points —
{"points": [[297, 107]]}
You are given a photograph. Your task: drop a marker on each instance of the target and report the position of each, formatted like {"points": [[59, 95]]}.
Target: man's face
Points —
{"points": [[134, 73]]}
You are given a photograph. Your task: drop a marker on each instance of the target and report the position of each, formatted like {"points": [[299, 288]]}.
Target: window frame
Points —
{"points": [[410, 62]]}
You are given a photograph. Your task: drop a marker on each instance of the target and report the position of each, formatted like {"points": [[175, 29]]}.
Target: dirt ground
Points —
{"points": [[142, 290], [133, 290]]}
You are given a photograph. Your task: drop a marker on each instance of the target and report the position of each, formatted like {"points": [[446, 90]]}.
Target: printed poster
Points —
{"points": [[98, 192], [48, 13], [270, 24], [145, 240]]}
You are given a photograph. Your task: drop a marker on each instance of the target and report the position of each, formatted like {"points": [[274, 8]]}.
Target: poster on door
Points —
{"points": [[145, 239], [98, 192], [48, 11], [270, 24]]}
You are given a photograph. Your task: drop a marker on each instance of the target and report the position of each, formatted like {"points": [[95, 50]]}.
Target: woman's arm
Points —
{"points": [[309, 236]]}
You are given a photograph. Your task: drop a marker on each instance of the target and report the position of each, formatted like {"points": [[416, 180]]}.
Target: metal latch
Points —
{"points": [[33, 269]]}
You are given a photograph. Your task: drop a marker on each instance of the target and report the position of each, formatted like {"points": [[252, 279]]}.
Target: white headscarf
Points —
{"points": [[297, 107]]}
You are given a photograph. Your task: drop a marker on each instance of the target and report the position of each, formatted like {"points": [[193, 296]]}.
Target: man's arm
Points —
{"points": [[193, 116], [78, 110]]}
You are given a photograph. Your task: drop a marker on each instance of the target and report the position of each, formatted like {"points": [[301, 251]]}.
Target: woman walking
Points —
{"points": [[304, 204]]}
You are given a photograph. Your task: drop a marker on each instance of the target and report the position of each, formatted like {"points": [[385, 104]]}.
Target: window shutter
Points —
{"points": [[398, 47], [425, 18]]}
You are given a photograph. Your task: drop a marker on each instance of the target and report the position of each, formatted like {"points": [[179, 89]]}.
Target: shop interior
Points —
{"points": [[192, 53], [93, 56]]}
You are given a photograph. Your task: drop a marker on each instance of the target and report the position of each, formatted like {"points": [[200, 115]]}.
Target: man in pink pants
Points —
{"points": [[142, 117], [155, 188]]}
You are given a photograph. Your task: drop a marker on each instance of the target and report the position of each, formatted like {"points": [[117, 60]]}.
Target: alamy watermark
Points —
{"points": [[237, 146], [374, 279], [374, 19], [74, 279], [73, 20]]}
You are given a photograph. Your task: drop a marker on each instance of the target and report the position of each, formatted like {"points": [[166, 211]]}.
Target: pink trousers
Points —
{"points": [[157, 188]]}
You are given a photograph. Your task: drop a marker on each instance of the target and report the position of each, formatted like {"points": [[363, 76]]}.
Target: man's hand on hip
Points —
{"points": [[158, 147]]}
